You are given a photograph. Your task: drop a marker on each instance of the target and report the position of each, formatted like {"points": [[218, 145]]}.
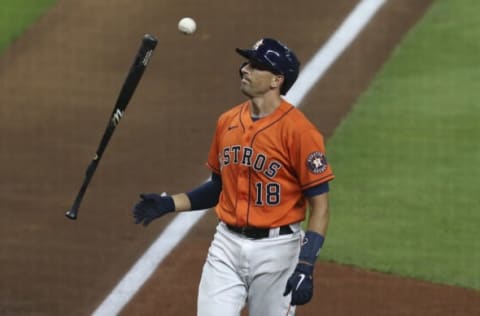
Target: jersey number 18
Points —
{"points": [[268, 193]]}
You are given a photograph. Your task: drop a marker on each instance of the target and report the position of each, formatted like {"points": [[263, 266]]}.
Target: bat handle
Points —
{"points": [[72, 214]]}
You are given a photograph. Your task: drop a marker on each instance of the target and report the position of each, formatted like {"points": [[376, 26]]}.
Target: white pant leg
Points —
{"points": [[272, 263], [222, 291]]}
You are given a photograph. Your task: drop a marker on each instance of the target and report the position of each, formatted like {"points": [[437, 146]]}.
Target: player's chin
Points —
{"points": [[246, 92], [245, 88]]}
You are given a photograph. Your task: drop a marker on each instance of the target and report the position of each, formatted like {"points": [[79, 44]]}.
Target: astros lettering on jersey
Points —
{"points": [[266, 165]]}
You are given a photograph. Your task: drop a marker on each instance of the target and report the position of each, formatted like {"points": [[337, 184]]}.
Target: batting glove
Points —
{"points": [[300, 284], [152, 206]]}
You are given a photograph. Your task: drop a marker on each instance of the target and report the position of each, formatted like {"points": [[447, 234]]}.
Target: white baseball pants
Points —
{"points": [[241, 271]]}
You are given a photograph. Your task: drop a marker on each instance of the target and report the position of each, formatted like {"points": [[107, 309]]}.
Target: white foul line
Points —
{"points": [[183, 222]]}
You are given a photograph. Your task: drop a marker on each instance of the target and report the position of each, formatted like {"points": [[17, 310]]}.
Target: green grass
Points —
{"points": [[17, 15], [407, 158]]}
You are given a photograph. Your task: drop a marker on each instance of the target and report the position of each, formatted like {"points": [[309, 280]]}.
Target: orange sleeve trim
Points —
{"points": [[209, 166]]}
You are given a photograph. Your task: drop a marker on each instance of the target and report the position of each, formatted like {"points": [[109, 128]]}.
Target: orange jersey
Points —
{"points": [[265, 165]]}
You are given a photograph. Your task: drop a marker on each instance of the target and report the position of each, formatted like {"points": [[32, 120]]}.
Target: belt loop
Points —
{"points": [[296, 227], [274, 232]]}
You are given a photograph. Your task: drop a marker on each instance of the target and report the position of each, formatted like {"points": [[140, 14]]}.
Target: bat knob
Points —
{"points": [[71, 214]]}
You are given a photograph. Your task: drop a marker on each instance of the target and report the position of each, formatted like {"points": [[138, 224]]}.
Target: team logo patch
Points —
{"points": [[316, 162]]}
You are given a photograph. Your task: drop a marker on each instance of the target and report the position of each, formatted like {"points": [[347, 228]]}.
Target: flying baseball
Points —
{"points": [[187, 25]]}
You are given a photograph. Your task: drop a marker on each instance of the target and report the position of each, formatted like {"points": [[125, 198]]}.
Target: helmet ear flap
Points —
{"points": [[241, 67]]}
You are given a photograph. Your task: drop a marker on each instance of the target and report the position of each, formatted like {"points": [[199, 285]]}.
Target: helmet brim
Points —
{"points": [[246, 53]]}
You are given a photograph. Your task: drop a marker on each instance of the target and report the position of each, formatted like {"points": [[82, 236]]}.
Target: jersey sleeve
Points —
{"points": [[309, 159], [212, 162]]}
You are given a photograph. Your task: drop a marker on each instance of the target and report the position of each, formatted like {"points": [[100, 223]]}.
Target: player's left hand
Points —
{"points": [[300, 284]]}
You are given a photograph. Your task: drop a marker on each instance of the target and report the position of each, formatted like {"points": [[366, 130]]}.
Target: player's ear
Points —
{"points": [[277, 81]]}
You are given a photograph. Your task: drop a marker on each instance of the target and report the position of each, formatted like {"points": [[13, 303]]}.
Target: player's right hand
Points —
{"points": [[152, 206]]}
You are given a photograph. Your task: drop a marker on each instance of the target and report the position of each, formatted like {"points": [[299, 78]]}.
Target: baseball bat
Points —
{"points": [[129, 85]]}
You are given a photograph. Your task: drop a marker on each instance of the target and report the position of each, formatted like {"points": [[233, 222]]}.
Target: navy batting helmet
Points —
{"points": [[275, 57]]}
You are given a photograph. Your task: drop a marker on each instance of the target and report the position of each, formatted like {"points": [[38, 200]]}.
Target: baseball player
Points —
{"points": [[268, 165]]}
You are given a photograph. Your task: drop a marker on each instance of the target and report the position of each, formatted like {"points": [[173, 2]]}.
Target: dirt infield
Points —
{"points": [[58, 84]]}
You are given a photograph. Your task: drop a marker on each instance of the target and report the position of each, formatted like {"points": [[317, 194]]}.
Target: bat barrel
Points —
{"points": [[149, 41]]}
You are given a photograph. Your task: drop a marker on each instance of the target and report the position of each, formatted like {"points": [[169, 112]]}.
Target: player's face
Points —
{"points": [[257, 81]]}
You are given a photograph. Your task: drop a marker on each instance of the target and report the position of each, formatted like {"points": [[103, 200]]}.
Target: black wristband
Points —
{"points": [[311, 245]]}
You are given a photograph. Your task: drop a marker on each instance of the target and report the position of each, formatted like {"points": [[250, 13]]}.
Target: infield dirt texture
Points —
{"points": [[58, 84]]}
